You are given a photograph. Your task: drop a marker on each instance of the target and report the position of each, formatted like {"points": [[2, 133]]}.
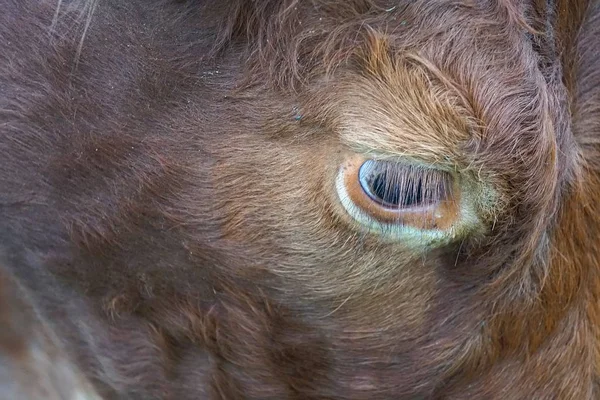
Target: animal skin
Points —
{"points": [[177, 213]]}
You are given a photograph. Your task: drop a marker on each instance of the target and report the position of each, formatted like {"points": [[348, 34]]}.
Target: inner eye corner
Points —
{"points": [[402, 193]]}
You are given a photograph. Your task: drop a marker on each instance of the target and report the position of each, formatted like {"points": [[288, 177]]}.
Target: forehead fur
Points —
{"points": [[291, 41], [472, 56]]}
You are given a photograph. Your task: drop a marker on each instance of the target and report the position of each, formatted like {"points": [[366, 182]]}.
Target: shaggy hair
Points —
{"points": [[169, 225]]}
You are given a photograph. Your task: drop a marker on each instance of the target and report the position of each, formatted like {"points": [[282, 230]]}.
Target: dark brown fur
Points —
{"points": [[169, 226]]}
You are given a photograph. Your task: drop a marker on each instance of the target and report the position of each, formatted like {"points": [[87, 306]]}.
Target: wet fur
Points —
{"points": [[167, 212]]}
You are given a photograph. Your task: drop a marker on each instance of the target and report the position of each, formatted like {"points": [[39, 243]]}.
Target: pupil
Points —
{"points": [[399, 186], [384, 191], [391, 193]]}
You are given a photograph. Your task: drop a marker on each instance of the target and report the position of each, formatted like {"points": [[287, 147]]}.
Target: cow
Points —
{"points": [[286, 199]]}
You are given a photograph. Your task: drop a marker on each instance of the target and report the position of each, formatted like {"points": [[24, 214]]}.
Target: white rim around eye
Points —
{"points": [[421, 223]]}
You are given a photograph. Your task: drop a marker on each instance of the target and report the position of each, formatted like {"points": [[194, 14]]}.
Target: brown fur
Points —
{"points": [[169, 222]]}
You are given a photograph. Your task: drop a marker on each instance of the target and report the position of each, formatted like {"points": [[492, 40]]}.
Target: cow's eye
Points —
{"points": [[388, 195]]}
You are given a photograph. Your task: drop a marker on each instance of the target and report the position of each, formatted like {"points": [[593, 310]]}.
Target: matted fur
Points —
{"points": [[169, 226]]}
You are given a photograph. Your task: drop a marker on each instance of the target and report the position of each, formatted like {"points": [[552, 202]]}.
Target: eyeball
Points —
{"points": [[399, 197]]}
